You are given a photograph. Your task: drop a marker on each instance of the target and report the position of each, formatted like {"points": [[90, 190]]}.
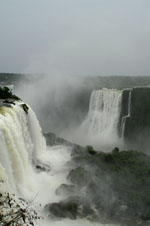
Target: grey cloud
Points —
{"points": [[75, 37]]}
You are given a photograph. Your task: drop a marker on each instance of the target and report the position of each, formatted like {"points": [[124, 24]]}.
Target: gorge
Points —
{"points": [[55, 175]]}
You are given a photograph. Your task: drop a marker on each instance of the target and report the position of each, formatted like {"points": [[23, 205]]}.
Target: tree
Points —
{"points": [[16, 212]]}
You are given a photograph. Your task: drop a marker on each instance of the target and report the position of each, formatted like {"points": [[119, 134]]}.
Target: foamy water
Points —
{"points": [[56, 157]]}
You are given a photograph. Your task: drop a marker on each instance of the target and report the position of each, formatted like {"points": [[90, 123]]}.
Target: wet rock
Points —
{"points": [[7, 101], [65, 189], [25, 108], [52, 139], [72, 208], [64, 209], [42, 166]]}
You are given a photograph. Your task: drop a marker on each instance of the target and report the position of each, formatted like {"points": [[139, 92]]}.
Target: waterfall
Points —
{"points": [[38, 141], [126, 116], [22, 145], [21, 141], [104, 112], [100, 127]]}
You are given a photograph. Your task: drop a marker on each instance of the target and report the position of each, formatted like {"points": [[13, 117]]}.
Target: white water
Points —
{"points": [[126, 116], [15, 147], [21, 142], [101, 124]]}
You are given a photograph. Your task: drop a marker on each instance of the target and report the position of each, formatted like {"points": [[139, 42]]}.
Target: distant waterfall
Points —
{"points": [[100, 127], [20, 141], [126, 116], [104, 111]]}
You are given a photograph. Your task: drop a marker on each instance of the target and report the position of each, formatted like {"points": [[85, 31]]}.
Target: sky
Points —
{"points": [[75, 37]]}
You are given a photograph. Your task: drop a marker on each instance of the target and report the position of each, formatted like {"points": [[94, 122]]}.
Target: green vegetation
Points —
{"points": [[117, 183], [8, 98], [6, 93]]}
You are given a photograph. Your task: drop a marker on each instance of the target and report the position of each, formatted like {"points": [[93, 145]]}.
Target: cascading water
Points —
{"points": [[22, 144], [102, 120], [126, 116], [16, 147]]}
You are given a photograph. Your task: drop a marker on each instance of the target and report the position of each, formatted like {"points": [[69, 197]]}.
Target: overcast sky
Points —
{"points": [[75, 37]]}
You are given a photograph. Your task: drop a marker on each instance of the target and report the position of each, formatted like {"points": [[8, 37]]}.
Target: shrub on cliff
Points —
{"points": [[5, 93], [14, 212]]}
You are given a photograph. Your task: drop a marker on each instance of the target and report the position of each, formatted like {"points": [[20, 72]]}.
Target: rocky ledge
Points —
{"points": [[105, 187]]}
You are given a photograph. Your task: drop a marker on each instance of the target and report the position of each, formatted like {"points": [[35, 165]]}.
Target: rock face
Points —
{"points": [[64, 209], [134, 121], [52, 139]]}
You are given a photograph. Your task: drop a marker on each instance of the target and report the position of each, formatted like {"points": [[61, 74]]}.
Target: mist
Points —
{"points": [[62, 107], [60, 103]]}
